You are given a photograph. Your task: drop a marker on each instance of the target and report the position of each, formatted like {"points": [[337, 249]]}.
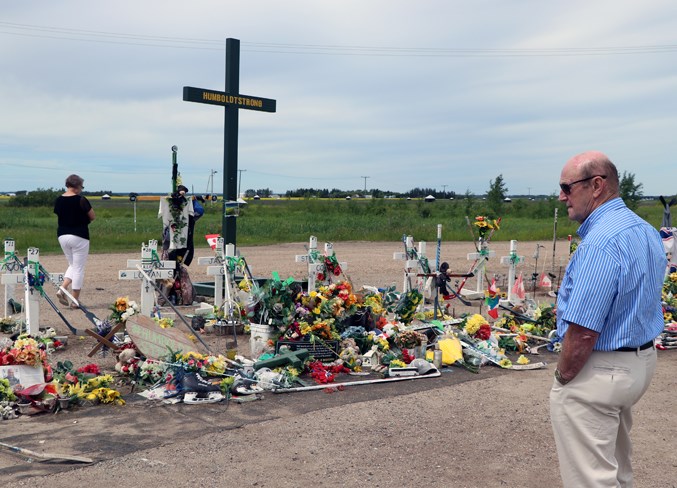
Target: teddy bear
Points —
{"points": [[127, 361]]}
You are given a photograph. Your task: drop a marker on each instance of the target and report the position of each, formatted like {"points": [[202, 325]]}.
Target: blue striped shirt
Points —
{"points": [[613, 282]]}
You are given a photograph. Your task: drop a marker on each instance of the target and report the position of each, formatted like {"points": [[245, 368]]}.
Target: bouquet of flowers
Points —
{"points": [[477, 327], [123, 308], [409, 339], [485, 225], [406, 307]]}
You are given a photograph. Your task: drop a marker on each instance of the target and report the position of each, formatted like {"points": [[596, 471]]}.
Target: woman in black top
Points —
{"points": [[74, 215]]}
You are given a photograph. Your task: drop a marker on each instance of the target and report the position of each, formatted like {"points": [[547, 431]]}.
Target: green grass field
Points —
{"points": [[264, 222]]}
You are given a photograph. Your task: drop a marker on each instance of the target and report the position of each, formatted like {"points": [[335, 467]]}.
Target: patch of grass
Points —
{"points": [[118, 228]]}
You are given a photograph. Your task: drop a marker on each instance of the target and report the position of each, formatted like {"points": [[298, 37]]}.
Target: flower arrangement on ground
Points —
{"points": [[409, 339], [477, 327], [407, 305], [26, 350]]}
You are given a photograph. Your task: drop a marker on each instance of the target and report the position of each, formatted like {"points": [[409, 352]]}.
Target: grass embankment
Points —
{"points": [[265, 222]]}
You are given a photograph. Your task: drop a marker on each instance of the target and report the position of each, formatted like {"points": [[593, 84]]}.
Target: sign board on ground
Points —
{"points": [[155, 342]]}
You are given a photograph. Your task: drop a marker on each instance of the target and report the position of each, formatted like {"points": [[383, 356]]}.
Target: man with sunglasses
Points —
{"points": [[609, 313]]}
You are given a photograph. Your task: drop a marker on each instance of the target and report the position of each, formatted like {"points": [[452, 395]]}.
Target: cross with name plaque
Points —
{"points": [[232, 100]]}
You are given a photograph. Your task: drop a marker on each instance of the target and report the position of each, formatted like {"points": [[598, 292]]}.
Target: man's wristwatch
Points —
{"points": [[558, 377]]}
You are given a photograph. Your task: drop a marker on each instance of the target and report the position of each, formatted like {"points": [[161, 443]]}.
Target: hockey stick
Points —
{"points": [[90, 315], [46, 457], [176, 311]]}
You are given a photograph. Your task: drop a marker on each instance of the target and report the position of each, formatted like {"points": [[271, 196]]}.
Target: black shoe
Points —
{"points": [[195, 382], [14, 306]]}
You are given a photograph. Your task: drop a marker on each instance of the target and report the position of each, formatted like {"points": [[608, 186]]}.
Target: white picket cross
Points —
{"points": [[483, 254], [215, 268], [154, 268], [314, 266], [10, 278], [512, 261], [414, 267]]}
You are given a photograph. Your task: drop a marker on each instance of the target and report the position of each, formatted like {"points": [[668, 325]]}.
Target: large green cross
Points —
{"points": [[232, 100]]}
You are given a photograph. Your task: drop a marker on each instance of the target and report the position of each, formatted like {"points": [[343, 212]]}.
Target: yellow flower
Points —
{"points": [[396, 363], [523, 359], [121, 304], [505, 363], [474, 323]]}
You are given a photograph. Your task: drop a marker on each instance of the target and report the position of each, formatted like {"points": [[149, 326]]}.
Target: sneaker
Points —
{"points": [[14, 306], [62, 298]]}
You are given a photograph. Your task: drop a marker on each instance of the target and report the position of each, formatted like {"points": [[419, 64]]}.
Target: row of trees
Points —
{"points": [[631, 192]]}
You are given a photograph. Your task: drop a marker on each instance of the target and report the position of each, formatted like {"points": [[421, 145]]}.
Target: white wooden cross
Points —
{"points": [[11, 276], [215, 268], [512, 261], [414, 268], [316, 263], [154, 267], [481, 258]]}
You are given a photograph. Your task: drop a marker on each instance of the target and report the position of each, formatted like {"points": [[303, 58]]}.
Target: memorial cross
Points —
{"points": [[416, 264], [512, 261], [154, 267], [232, 100], [10, 278], [317, 263], [481, 257]]}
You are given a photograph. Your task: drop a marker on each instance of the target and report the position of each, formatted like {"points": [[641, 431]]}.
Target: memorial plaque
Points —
{"points": [[325, 351]]}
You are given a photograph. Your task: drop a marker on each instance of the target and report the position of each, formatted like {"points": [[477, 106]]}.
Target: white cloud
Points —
{"points": [[417, 94]]}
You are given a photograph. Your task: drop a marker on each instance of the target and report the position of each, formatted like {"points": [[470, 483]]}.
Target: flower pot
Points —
{"points": [[25, 408], [260, 334], [209, 328], [64, 403]]}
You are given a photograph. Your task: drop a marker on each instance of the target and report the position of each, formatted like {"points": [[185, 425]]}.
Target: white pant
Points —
{"points": [[76, 250], [592, 417]]}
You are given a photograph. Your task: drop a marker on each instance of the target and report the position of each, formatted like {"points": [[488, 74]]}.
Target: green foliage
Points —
{"points": [[264, 222], [38, 198], [496, 195], [631, 193]]}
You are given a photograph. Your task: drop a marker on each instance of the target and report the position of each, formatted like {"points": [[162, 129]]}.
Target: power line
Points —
{"points": [[81, 35]]}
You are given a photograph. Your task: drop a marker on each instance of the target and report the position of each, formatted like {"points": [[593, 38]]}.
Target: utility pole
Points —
{"points": [[239, 182], [211, 180], [444, 190], [365, 183]]}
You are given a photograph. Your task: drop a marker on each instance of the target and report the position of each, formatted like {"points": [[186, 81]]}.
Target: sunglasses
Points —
{"points": [[566, 187]]}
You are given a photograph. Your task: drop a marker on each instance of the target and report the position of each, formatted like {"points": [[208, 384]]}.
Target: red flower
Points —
{"points": [[320, 276], [406, 357], [484, 332], [91, 369]]}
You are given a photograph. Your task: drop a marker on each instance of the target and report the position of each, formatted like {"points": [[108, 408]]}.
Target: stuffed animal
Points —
{"points": [[127, 361]]}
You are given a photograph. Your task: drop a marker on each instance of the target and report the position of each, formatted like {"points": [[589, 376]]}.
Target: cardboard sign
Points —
{"points": [[155, 342]]}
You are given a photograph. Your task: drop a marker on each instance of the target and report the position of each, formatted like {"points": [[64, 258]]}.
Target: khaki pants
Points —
{"points": [[591, 418]]}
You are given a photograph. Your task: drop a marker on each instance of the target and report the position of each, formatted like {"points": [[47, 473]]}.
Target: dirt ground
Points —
{"points": [[490, 429]]}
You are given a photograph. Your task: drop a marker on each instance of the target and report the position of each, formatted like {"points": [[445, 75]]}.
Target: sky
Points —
{"points": [[375, 94]]}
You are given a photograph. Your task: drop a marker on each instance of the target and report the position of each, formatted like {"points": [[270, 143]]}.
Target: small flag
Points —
{"points": [[518, 288], [492, 299], [211, 240], [545, 281], [492, 288]]}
